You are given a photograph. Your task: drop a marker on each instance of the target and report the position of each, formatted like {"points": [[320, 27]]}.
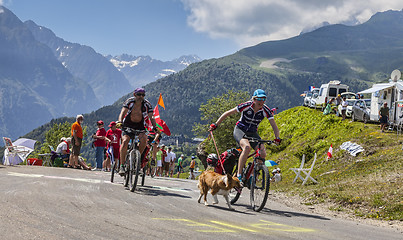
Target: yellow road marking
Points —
{"points": [[263, 227], [267, 225], [233, 226], [198, 224]]}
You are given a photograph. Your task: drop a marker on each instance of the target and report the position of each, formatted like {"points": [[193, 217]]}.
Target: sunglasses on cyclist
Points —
{"points": [[140, 94], [260, 99]]}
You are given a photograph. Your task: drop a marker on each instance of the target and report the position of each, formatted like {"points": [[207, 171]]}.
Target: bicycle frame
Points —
{"points": [[258, 185], [255, 155]]}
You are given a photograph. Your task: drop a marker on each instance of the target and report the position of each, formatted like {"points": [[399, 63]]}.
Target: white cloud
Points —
{"points": [[249, 22]]}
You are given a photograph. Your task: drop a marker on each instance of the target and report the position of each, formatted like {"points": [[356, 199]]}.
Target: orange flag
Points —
{"points": [[161, 101]]}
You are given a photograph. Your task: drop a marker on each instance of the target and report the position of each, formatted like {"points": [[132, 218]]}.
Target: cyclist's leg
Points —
{"points": [[143, 142], [123, 148], [262, 150], [244, 143]]}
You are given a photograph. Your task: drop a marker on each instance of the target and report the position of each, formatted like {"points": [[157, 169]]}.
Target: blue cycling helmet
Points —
{"points": [[259, 93]]}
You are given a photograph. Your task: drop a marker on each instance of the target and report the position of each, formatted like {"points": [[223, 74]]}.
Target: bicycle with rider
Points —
{"points": [[252, 113], [132, 116]]}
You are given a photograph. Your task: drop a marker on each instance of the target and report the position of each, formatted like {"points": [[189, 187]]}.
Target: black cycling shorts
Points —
{"points": [[239, 134]]}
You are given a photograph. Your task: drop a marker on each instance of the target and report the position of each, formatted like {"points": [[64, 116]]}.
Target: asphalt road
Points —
{"points": [[56, 203]]}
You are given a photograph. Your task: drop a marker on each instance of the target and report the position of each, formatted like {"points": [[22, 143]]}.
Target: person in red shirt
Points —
{"points": [[114, 138], [99, 144]]}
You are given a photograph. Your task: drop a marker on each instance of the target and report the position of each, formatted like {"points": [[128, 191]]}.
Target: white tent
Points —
{"points": [[19, 151]]}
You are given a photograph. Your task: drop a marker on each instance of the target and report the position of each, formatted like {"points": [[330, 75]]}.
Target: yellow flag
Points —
{"points": [[161, 101]]}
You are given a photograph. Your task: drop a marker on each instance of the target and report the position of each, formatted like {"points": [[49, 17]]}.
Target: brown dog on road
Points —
{"points": [[219, 184]]}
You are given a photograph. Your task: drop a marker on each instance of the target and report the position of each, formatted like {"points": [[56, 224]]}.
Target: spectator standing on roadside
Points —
{"points": [[76, 141], [100, 144], [160, 158], [344, 105], [384, 116], [114, 135], [192, 168], [338, 100], [179, 166], [165, 161], [172, 160]]}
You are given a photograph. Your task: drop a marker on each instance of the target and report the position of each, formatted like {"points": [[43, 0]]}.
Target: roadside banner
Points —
{"points": [[352, 148]]}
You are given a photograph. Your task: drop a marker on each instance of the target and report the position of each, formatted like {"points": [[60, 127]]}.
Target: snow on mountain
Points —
{"points": [[142, 70]]}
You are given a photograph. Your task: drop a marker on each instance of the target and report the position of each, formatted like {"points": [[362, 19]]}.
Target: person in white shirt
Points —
{"points": [[63, 147], [171, 158], [344, 105]]}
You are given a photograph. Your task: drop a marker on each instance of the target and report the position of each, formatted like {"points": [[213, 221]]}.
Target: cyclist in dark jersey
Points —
{"points": [[252, 113], [132, 115]]}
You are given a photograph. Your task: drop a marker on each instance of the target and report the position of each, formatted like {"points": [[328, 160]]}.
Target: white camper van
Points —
{"points": [[328, 91], [392, 94]]}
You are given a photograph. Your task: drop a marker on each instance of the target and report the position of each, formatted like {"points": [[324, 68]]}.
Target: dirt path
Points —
{"points": [[270, 63]]}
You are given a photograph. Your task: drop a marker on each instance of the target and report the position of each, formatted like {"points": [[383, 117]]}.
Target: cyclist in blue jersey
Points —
{"points": [[252, 113]]}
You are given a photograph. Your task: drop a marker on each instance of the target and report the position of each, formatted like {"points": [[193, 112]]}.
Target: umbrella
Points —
{"points": [[19, 152], [270, 163]]}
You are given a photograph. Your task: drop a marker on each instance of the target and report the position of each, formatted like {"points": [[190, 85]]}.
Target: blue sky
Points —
{"points": [[167, 29]]}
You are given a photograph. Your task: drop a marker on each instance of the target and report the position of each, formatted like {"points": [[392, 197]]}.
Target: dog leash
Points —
{"points": [[212, 136]]}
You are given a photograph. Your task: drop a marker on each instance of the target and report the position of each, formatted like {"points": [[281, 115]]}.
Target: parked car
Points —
{"points": [[361, 110], [308, 97], [349, 108], [349, 95]]}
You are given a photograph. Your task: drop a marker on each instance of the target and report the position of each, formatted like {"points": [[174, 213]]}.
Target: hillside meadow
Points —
{"points": [[369, 185]]}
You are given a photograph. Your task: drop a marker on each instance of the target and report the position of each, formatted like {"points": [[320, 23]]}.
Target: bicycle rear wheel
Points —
{"points": [[114, 169], [153, 168], [135, 157], [143, 176], [128, 170], [260, 186], [234, 194]]}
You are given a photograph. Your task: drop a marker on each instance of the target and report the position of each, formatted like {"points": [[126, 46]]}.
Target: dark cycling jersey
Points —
{"points": [[250, 120], [145, 108]]}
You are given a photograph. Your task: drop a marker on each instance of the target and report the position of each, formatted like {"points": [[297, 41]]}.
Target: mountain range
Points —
{"points": [[34, 86], [43, 76], [356, 55]]}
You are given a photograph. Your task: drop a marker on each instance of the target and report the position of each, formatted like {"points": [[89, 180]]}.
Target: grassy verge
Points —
{"points": [[369, 185]]}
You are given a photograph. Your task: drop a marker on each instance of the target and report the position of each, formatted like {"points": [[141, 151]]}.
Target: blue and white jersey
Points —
{"points": [[250, 120]]}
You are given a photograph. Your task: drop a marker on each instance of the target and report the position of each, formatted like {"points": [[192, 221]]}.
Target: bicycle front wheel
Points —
{"points": [[135, 158], [260, 186]]}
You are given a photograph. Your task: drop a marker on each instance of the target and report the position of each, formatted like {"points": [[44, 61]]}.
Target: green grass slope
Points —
{"points": [[369, 185]]}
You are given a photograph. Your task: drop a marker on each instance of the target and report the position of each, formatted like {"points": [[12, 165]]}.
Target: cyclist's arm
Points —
{"points": [[225, 115], [122, 114], [275, 128], [157, 136]]}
